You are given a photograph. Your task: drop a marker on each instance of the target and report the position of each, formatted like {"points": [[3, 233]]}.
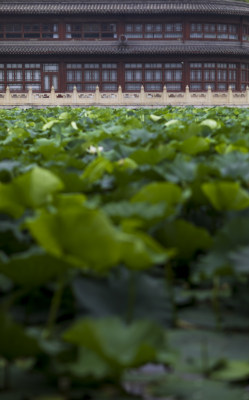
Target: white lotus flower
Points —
{"points": [[94, 150]]}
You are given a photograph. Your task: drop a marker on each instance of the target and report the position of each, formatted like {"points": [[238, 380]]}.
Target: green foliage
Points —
{"points": [[117, 345], [14, 341], [226, 196], [185, 237], [115, 226], [31, 190], [77, 234], [32, 268]]}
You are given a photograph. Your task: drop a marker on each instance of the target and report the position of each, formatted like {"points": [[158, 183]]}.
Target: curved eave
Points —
{"points": [[114, 8], [114, 49]]}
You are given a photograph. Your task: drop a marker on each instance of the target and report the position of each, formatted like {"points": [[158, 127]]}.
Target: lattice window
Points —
{"points": [[87, 76], [91, 30], [74, 75], [73, 31], [109, 77], [32, 76], [133, 87], [153, 74], [173, 73], [29, 31], [50, 31], [216, 75], [173, 30], [133, 76], [133, 73], [154, 30], [244, 76], [50, 67], [134, 31], [13, 31], [214, 31], [245, 35], [174, 87]]}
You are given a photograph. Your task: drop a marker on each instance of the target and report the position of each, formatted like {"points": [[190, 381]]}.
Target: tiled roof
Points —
{"points": [[52, 48], [94, 7]]}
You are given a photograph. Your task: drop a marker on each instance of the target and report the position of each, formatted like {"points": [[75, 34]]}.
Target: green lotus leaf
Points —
{"points": [[233, 370], [96, 169], [161, 192], [30, 190], [140, 251], [32, 268], [226, 196], [120, 346], [79, 235], [15, 342], [194, 145], [185, 237]]}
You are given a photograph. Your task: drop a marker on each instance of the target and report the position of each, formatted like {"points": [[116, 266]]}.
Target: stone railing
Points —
{"points": [[119, 99]]}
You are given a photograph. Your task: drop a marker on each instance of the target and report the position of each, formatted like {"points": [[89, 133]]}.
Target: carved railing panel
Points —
{"points": [[119, 98]]}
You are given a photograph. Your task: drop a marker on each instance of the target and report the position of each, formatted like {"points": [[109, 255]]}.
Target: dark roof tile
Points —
{"points": [[123, 7], [54, 48]]}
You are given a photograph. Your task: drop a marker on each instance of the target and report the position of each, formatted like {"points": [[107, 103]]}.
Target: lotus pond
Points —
{"points": [[124, 254]]}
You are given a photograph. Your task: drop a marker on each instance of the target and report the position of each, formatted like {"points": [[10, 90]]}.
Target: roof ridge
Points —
{"points": [[225, 7], [69, 48]]}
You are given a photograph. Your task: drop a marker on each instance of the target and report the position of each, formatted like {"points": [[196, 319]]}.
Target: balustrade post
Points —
{"points": [[209, 95], [142, 97], [97, 95], [165, 95], [120, 95], [7, 96], [247, 94], [52, 96], [187, 95], [230, 95], [75, 95], [30, 96]]}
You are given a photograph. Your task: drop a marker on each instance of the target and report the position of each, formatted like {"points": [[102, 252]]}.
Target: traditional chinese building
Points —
{"points": [[85, 43]]}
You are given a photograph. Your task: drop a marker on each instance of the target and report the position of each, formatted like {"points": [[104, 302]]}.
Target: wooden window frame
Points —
{"points": [[25, 83], [89, 85], [245, 32], [100, 33], [220, 74], [200, 31], [244, 76], [236, 76], [143, 34], [173, 85], [38, 34]]}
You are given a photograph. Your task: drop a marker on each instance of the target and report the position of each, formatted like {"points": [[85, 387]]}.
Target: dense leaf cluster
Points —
{"points": [[124, 246]]}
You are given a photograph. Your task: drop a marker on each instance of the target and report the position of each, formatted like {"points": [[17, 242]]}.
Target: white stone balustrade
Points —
{"points": [[119, 98]]}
